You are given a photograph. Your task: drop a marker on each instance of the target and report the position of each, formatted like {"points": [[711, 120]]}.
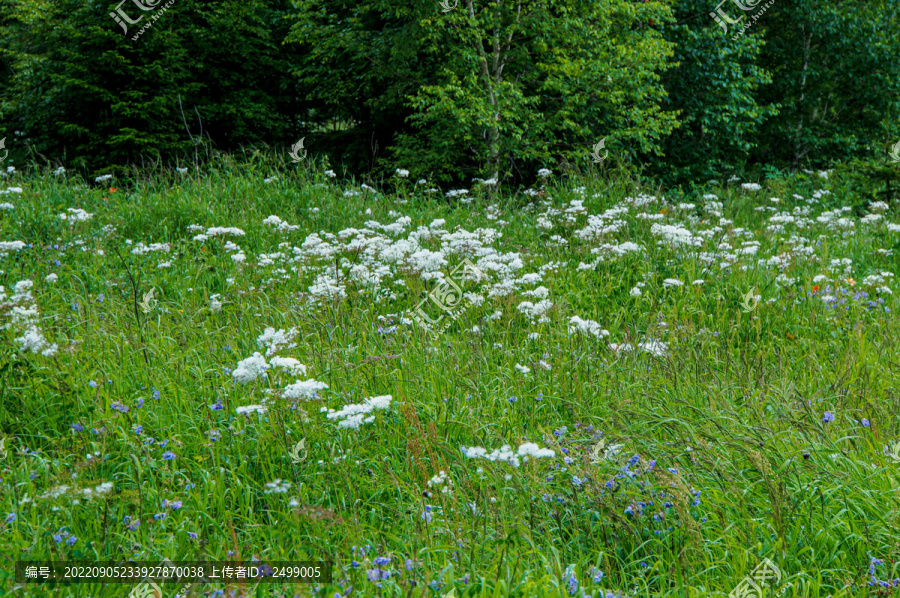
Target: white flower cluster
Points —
{"points": [[576, 324], [536, 310], [653, 347], [215, 232], [277, 487], [256, 366], [675, 236], [75, 215], [99, 490], [506, 454], [24, 316], [305, 389], [141, 249], [88, 493], [7, 246], [354, 415], [276, 340], [279, 224], [443, 481], [291, 365], [250, 369]]}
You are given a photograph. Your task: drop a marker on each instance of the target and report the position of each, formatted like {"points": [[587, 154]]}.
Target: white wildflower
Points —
{"points": [[354, 415], [576, 324], [250, 369], [290, 364], [303, 390], [76, 215], [276, 340]]}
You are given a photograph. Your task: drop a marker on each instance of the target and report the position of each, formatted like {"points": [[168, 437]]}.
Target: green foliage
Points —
{"points": [[451, 92], [872, 180], [835, 70], [83, 94], [493, 88], [714, 91]]}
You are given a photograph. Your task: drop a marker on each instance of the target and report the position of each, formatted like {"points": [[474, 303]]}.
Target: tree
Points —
{"points": [[714, 90], [82, 93], [835, 79], [492, 87]]}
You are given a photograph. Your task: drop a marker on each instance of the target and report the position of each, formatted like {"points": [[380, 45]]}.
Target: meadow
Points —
{"points": [[637, 393]]}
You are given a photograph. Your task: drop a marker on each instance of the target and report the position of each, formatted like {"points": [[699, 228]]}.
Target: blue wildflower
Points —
{"points": [[572, 583]]}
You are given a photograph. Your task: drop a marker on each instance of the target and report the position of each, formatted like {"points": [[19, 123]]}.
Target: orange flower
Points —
{"points": [[814, 289], [112, 189]]}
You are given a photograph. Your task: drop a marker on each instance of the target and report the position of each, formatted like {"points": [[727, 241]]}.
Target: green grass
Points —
{"points": [[735, 406]]}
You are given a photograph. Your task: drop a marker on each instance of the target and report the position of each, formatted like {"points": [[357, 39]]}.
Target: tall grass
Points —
{"points": [[726, 456]]}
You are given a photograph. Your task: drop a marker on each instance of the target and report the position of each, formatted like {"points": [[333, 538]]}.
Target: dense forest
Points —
{"points": [[453, 89]]}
